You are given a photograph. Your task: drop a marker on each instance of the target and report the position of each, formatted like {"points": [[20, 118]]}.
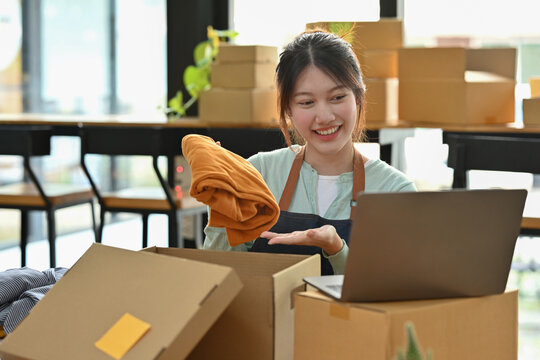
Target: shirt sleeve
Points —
{"points": [[216, 239], [339, 259]]}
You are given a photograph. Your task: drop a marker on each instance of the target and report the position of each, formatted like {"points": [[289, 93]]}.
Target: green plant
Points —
{"points": [[197, 77], [413, 350]]}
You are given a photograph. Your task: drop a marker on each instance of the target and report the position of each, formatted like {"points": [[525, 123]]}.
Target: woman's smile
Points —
{"points": [[328, 133]]}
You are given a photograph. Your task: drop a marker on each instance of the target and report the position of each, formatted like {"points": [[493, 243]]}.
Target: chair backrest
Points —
{"points": [[25, 141]]}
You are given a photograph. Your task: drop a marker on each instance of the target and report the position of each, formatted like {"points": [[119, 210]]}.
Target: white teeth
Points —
{"points": [[328, 131]]}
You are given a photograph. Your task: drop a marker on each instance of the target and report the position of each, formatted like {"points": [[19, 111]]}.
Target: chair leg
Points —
{"points": [[24, 236], [94, 225], [144, 230], [173, 229], [52, 237], [101, 224]]}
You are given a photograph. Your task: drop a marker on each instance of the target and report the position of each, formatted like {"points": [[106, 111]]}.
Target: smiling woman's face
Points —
{"points": [[323, 111]]}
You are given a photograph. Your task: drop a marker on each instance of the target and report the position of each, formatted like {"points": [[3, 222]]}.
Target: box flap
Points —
{"points": [[286, 284], [500, 61], [179, 298]]}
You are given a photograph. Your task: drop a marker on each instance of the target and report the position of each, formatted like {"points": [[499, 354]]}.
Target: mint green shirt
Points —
{"points": [[274, 167]]}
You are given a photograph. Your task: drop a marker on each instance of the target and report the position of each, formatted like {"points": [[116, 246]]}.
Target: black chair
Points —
{"points": [[160, 199], [471, 151], [33, 194]]}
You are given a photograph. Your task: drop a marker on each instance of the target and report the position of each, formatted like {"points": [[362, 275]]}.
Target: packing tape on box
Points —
{"points": [[339, 311]]}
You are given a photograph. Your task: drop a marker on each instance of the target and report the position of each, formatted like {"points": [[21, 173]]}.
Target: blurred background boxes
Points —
{"points": [[376, 45], [534, 83], [382, 100], [243, 88], [457, 85], [243, 75], [220, 105], [531, 111]]}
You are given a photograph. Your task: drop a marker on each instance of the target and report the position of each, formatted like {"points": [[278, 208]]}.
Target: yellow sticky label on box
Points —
{"points": [[122, 336]]}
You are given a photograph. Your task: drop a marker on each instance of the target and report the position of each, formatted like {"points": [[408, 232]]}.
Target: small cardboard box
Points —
{"points": [[179, 298], [247, 53], [534, 83], [243, 75], [457, 85], [382, 100], [531, 111], [460, 328], [259, 322], [367, 35], [379, 63], [238, 106]]}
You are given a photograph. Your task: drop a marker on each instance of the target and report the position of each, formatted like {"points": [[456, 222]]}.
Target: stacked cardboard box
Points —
{"points": [[531, 106], [376, 45], [460, 328], [243, 88], [457, 85]]}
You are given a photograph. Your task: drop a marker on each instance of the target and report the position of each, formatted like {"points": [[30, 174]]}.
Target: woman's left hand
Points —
{"points": [[324, 237]]}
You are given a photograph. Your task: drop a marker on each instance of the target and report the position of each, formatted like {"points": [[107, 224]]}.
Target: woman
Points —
{"points": [[322, 101]]}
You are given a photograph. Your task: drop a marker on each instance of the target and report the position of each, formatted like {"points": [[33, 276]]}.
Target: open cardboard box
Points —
{"points": [[259, 322], [179, 298], [460, 328], [457, 85]]}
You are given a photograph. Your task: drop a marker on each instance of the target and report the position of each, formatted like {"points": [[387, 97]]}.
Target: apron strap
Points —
{"points": [[359, 179], [290, 185]]}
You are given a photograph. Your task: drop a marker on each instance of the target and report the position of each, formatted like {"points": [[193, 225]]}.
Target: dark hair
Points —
{"points": [[332, 55]]}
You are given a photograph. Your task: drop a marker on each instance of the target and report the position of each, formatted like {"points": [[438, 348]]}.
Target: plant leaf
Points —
{"points": [[196, 79], [202, 54], [176, 104]]}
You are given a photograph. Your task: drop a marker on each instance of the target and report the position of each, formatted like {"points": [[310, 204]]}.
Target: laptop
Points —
{"points": [[428, 245]]}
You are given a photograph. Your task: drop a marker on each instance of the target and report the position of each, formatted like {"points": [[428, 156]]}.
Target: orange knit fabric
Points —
{"points": [[235, 191]]}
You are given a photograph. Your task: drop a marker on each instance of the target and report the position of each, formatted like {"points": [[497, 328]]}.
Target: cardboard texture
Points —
{"points": [[259, 322], [531, 111], [457, 85], [379, 63], [462, 328], [247, 53], [243, 75], [382, 100], [180, 299], [219, 105]]}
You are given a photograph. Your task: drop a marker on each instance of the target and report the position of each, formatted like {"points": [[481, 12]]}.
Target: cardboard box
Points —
{"points": [[461, 328], [243, 75], [534, 83], [238, 106], [383, 34], [451, 63], [179, 298], [483, 99], [457, 85], [247, 53], [382, 101], [259, 322], [379, 63], [531, 111]]}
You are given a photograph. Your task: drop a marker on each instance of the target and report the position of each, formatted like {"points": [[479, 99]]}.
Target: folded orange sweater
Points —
{"points": [[235, 191]]}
